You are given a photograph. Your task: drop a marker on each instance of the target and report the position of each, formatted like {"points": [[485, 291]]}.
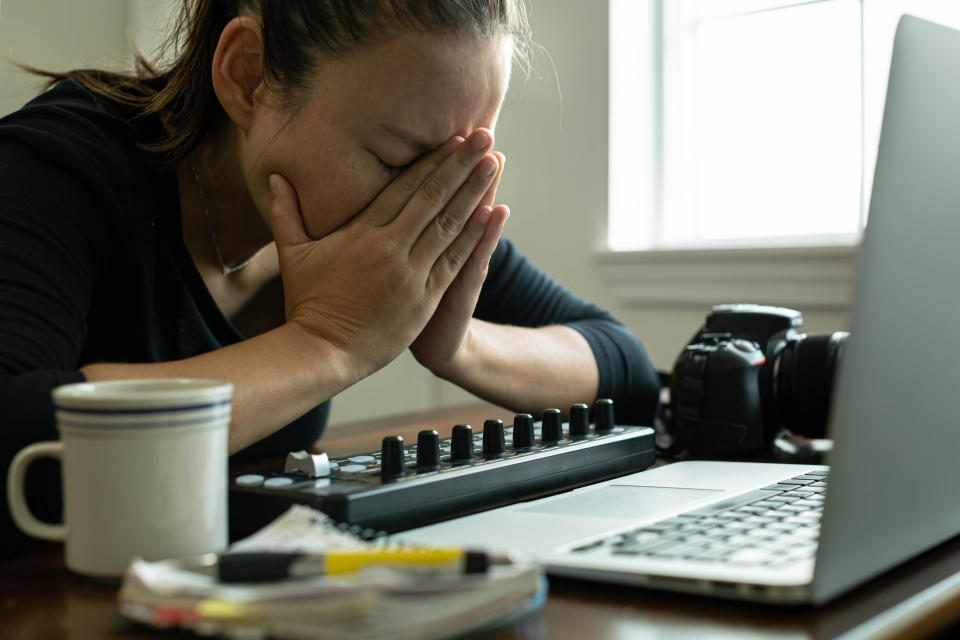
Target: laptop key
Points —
{"points": [[715, 533], [747, 510], [647, 544], [766, 503], [730, 503], [723, 517], [648, 547], [633, 549], [778, 514], [712, 554], [637, 536], [675, 551], [660, 526], [697, 538], [749, 556], [739, 539]]}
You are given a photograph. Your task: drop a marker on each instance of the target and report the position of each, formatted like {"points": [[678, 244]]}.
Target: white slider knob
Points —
{"points": [[312, 465]]}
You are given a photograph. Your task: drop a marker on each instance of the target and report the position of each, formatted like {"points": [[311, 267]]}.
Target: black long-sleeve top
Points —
{"points": [[93, 269]]}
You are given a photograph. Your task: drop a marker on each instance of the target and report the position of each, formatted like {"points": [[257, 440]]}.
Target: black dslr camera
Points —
{"points": [[747, 375]]}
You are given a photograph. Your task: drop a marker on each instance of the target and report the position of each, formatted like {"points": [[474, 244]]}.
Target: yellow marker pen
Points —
{"points": [[268, 566]]}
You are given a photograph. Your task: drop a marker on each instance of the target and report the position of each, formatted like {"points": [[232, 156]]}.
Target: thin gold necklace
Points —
{"points": [[224, 268]]}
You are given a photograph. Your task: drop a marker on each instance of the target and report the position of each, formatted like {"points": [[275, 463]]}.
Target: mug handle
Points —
{"points": [[18, 504]]}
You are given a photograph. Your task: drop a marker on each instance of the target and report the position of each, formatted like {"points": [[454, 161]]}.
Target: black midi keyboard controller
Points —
{"points": [[409, 485]]}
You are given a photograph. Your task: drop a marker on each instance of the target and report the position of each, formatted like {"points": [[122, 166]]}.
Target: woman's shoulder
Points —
{"points": [[70, 126]]}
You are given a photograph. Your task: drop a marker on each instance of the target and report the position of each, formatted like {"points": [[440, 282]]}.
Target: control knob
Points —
{"points": [[428, 449], [603, 415], [551, 430], [579, 421], [522, 431], [494, 442], [461, 444], [392, 463]]}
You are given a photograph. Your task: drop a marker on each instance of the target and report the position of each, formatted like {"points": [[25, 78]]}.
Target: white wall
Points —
{"points": [[553, 130], [57, 35]]}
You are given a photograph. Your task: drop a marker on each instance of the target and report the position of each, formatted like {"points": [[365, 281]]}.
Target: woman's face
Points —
{"points": [[368, 115]]}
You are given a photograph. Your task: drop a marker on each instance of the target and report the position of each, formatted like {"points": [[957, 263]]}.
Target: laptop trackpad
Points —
{"points": [[620, 501]]}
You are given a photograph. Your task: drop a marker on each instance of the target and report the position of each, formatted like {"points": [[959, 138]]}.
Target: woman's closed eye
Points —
{"points": [[391, 168]]}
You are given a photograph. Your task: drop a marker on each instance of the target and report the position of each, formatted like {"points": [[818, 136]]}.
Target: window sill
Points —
{"points": [[819, 277]]}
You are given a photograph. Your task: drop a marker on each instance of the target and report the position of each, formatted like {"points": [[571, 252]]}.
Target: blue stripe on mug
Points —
{"points": [[196, 407]]}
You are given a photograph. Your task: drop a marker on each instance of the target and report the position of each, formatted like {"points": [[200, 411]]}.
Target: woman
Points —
{"points": [[342, 146]]}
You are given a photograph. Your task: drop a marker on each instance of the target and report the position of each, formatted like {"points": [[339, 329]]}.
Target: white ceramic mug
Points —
{"points": [[144, 472]]}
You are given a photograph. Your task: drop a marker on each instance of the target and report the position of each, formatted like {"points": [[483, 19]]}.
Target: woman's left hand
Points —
{"points": [[440, 346]]}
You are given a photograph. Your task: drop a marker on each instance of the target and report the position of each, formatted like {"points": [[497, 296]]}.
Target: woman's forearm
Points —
{"points": [[278, 376], [526, 369]]}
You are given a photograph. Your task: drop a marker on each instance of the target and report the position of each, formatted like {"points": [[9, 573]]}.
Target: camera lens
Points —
{"points": [[803, 374]]}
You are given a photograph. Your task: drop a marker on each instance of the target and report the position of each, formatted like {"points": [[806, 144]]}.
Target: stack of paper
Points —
{"points": [[375, 602]]}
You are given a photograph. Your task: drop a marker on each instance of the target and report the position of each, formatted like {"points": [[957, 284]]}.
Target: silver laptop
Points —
{"points": [[796, 533]]}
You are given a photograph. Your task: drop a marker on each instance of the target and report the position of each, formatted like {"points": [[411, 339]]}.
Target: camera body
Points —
{"points": [[747, 374]]}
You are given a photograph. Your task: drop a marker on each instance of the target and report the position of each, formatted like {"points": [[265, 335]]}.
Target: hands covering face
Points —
{"points": [[406, 271]]}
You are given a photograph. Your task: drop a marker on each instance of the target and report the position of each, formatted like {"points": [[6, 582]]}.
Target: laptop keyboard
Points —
{"points": [[774, 527]]}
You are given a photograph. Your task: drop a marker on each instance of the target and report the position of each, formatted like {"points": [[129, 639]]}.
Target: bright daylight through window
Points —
{"points": [[744, 123]]}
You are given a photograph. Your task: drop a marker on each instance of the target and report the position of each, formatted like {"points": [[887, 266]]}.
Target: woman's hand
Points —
{"points": [[442, 345], [368, 288]]}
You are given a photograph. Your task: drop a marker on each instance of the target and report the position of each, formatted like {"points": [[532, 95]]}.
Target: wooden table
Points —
{"points": [[40, 599]]}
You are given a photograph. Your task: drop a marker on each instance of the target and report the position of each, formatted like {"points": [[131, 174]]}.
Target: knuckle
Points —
{"points": [[433, 190], [448, 224], [390, 248], [434, 281], [454, 258], [436, 158], [465, 159], [408, 181]]}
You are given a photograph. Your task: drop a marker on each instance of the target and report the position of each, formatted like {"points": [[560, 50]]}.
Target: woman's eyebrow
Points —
{"points": [[413, 141]]}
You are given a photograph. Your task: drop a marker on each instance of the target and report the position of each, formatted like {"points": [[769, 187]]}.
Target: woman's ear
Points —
{"points": [[238, 69]]}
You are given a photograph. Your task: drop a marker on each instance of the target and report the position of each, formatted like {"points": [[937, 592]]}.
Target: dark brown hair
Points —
{"points": [[296, 34]]}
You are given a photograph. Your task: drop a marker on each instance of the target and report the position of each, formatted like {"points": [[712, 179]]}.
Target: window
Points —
{"points": [[748, 123]]}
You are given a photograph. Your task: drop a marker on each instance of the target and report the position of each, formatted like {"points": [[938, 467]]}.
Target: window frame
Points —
{"points": [[785, 272]]}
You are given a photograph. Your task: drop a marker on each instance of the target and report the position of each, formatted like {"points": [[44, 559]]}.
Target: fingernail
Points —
{"points": [[452, 144], [274, 181], [487, 166], [483, 214], [480, 140]]}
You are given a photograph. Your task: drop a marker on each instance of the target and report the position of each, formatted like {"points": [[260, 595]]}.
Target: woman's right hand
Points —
{"points": [[368, 288]]}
